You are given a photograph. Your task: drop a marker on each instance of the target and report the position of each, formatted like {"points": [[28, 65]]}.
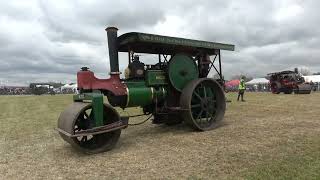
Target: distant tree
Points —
{"points": [[39, 90], [305, 71], [246, 77], [267, 77], [317, 73]]}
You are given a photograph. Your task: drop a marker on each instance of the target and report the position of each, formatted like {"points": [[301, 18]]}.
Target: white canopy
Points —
{"points": [[69, 86], [313, 78], [258, 81]]}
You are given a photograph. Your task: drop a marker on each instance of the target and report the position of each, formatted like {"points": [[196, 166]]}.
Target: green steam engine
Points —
{"points": [[173, 90]]}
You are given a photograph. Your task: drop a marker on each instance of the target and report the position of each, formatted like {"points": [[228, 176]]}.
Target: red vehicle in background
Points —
{"points": [[288, 82]]}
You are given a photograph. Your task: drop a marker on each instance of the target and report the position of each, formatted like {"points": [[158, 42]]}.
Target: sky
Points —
{"points": [[50, 40]]}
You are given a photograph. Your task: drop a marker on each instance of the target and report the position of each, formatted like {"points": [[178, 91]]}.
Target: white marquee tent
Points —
{"points": [[258, 84], [258, 81], [70, 87], [313, 78]]}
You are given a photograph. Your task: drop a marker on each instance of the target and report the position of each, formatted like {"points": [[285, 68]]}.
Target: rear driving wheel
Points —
{"points": [[203, 104]]}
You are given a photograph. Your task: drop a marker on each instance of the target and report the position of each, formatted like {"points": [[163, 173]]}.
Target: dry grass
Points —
{"points": [[267, 137]]}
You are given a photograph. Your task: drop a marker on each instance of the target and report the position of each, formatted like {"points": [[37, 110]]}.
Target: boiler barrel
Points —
{"points": [[138, 94]]}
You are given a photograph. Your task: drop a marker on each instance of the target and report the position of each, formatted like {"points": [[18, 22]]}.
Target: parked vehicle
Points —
{"points": [[288, 82]]}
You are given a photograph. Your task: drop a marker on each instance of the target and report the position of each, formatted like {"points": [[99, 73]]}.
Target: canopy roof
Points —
{"points": [[156, 44], [282, 72], [258, 81]]}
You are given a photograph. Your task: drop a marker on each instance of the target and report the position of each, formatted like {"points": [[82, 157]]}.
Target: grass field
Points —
{"points": [[266, 137]]}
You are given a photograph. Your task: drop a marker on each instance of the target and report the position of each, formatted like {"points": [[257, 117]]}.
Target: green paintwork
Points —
{"points": [[138, 94], [141, 95], [182, 70], [156, 78], [160, 93], [136, 37], [97, 105]]}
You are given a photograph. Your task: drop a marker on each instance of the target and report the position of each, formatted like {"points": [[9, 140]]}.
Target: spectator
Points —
{"points": [[242, 88]]}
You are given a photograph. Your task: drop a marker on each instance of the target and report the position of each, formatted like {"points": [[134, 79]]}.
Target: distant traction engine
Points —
{"points": [[288, 82]]}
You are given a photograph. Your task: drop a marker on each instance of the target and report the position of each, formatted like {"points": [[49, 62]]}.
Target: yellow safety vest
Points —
{"points": [[242, 85]]}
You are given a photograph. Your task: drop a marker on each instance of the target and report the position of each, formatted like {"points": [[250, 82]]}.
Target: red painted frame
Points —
{"points": [[87, 81]]}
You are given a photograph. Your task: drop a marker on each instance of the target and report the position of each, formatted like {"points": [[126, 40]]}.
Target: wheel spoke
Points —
{"points": [[87, 116], [212, 99], [198, 96], [195, 105], [205, 92], [212, 102], [199, 115], [83, 139], [212, 117], [207, 116], [200, 121]]}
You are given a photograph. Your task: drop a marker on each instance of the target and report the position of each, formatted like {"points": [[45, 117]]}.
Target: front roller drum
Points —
{"points": [[303, 89], [203, 103], [78, 117]]}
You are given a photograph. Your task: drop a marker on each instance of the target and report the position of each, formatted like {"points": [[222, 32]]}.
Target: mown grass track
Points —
{"points": [[267, 137]]}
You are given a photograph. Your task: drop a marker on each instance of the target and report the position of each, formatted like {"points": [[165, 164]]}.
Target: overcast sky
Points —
{"points": [[51, 40]]}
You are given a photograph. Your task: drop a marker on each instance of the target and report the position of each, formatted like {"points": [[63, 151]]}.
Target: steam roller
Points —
{"points": [[171, 90]]}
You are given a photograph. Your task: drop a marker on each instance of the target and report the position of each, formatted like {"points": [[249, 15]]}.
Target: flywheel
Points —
{"points": [[182, 69]]}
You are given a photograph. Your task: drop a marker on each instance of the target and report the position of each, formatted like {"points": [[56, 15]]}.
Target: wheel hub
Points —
{"points": [[205, 105]]}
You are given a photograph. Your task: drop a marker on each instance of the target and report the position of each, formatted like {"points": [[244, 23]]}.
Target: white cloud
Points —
{"points": [[50, 40], [288, 11]]}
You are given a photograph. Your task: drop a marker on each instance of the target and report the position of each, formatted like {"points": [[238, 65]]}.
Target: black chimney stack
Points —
{"points": [[296, 70], [113, 48]]}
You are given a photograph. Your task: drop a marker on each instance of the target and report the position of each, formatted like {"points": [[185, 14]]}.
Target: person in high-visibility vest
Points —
{"points": [[242, 88]]}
